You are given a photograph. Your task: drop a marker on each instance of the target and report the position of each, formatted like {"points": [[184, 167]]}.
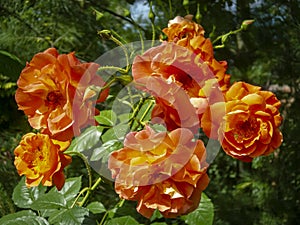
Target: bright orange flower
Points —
{"points": [[52, 92], [177, 68], [164, 171], [175, 64], [41, 160], [181, 30], [173, 107], [186, 33], [250, 127]]}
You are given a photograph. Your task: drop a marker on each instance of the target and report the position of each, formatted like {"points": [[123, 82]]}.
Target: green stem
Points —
{"points": [[170, 9], [224, 37], [136, 111], [153, 34], [109, 35], [142, 41], [119, 36], [104, 217], [145, 114], [88, 190], [121, 70], [124, 50], [78, 196], [96, 184], [147, 110], [86, 163], [118, 205]]}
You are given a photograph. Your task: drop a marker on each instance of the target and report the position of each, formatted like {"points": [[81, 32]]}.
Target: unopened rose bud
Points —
{"points": [[246, 23], [151, 14], [185, 3], [106, 34]]}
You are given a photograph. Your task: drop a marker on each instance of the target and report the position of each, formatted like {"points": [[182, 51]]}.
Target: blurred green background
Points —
{"points": [[266, 191]]}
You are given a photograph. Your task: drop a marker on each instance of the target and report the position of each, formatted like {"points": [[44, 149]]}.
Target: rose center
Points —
{"points": [[54, 97], [245, 129], [40, 162]]}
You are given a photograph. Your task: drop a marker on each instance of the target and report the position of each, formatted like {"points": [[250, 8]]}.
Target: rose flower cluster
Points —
{"points": [[166, 171], [52, 92]]}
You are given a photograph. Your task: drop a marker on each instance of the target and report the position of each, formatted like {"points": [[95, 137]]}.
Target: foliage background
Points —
{"points": [[266, 191]]}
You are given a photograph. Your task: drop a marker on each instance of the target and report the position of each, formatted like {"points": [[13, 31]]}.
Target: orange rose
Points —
{"points": [[181, 30], [175, 64], [186, 33], [250, 127], [52, 92], [164, 171], [175, 68], [41, 160], [173, 107]]}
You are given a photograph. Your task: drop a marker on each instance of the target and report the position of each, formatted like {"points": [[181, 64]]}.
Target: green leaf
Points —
{"points": [[72, 216], [124, 220], [98, 14], [203, 215], [244, 185], [106, 117], [103, 151], [121, 130], [125, 117], [10, 65], [70, 189], [50, 200], [117, 132], [96, 207], [156, 215], [23, 196], [25, 217], [87, 140]]}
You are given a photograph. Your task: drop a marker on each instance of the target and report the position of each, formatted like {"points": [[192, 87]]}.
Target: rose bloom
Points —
{"points": [[186, 33], [247, 123], [159, 170], [176, 65], [52, 92], [181, 30], [173, 107], [41, 160]]}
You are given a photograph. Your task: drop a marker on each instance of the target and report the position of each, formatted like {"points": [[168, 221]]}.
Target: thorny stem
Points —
{"points": [[152, 18], [145, 113], [86, 163], [136, 111], [153, 34], [91, 187], [121, 70], [109, 35], [119, 36]]}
